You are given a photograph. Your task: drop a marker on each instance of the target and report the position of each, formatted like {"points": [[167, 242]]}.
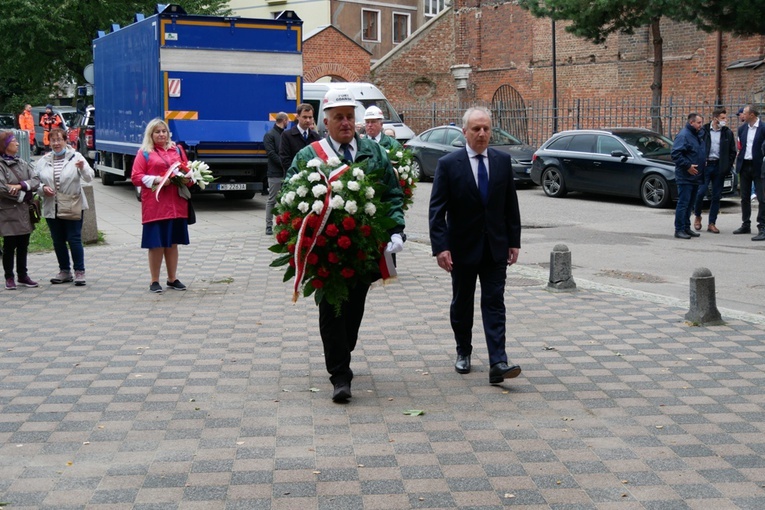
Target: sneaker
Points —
{"points": [[62, 277], [754, 197], [269, 231], [79, 278], [26, 281], [155, 287], [10, 284], [176, 285]]}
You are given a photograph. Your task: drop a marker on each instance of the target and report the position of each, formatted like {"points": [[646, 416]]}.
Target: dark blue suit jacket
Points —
{"points": [[757, 149], [458, 218]]}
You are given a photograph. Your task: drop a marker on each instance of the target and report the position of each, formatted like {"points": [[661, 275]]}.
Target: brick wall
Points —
{"points": [[330, 53], [506, 45]]}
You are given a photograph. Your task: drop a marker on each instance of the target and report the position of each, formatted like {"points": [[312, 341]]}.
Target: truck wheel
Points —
{"points": [[108, 179], [239, 195]]}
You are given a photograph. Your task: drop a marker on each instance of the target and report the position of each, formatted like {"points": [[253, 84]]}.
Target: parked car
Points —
{"points": [[626, 162], [82, 134], [430, 145], [7, 121]]}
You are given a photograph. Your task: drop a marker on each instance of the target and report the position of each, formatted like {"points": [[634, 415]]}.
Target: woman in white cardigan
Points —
{"points": [[62, 171]]}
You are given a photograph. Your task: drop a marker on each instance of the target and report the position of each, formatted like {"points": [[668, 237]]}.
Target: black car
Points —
{"points": [[430, 145], [7, 121], [82, 134], [626, 162]]}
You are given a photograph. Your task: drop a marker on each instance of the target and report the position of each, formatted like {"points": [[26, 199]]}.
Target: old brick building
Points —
{"points": [[329, 53], [477, 50]]}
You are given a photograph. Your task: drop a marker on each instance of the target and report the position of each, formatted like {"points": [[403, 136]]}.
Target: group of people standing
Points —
{"points": [[57, 175], [703, 153]]}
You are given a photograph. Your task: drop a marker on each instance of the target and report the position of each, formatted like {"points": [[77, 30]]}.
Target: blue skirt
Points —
{"points": [[165, 233]]}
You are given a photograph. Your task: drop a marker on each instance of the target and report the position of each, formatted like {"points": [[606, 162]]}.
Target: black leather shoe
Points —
{"points": [[682, 235], [501, 371], [760, 236], [692, 233], [743, 229], [462, 365], [342, 392]]}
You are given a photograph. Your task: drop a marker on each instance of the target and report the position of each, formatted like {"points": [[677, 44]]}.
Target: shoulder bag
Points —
{"points": [[69, 207], [34, 205]]}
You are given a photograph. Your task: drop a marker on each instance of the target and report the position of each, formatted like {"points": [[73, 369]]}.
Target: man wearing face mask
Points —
{"points": [[721, 154]]}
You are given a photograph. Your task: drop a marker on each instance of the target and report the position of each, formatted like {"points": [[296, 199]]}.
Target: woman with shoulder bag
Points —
{"points": [[17, 184], [165, 210], [62, 172]]}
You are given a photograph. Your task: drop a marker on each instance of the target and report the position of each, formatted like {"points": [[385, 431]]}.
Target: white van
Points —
{"points": [[366, 95]]}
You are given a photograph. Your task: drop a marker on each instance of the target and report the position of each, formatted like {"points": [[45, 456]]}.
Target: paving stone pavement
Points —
{"points": [[217, 398]]}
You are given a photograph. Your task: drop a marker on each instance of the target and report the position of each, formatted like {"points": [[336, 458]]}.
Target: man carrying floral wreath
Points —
{"points": [[340, 318]]}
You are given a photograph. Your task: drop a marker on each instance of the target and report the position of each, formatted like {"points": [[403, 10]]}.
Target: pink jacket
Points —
{"points": [[170, 204]]}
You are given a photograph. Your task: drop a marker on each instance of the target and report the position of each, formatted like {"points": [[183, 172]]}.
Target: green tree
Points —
{"points": [[596, 20], [42, 43]]}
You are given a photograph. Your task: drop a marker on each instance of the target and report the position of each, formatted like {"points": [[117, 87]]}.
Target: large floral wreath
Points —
{"points": [[407, 176], [331, 228]]}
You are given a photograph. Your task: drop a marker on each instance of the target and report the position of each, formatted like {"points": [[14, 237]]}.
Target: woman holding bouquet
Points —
{"points": [[164, 207]]}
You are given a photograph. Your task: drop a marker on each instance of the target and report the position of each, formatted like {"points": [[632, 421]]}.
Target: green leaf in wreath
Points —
{"points": [[280, 261], [288, 274], [278, 248]]}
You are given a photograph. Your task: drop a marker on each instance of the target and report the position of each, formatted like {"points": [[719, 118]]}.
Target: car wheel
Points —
{"points": [[417, 169], [552, 183], [655, 191], [108, 178]]}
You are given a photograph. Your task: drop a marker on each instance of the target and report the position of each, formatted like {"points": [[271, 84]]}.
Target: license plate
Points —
{"points": [[528, 171], [232, 187], [728, 183]]}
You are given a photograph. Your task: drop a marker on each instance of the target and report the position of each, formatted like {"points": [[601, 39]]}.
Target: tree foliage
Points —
{"points": [[42, 43]]}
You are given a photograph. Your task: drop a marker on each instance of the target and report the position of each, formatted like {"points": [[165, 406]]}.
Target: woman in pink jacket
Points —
{"points": [[164, 214]]}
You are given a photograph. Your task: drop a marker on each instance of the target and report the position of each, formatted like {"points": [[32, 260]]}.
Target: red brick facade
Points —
{"points": [[331, 53], [504, 44]]}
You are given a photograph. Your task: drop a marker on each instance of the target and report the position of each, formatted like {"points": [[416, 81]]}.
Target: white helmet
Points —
{"points": [[338, 97], [373, 113]]}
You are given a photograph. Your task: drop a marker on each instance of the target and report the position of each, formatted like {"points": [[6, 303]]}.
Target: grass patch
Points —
{"points": [[40, 240]]}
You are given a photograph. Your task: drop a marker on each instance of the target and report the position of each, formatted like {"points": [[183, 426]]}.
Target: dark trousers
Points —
{"points": [[686, 195], [64, 232], [492, 276], [746, 179], [339, 333], [18, 246], [712, 174]]}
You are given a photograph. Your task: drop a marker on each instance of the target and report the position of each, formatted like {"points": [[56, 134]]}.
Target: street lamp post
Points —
{"points": [[554, 81]]}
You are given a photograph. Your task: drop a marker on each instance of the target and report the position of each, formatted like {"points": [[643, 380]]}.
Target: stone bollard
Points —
{"points": [[561, 279], [89, 223], [703, 309]]}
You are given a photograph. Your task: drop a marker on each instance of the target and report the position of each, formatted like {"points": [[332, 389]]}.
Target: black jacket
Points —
{"points": [[727, 146], [458, 218], [271, 141], [291, 143], [757, 148]]}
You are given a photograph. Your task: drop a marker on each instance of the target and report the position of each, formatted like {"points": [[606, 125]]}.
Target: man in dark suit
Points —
{"points": [[475, 232], [751, 136], [297, 136], [275, 172]]}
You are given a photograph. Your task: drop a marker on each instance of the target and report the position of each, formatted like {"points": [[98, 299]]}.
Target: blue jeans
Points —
{"points": [[686, 193], [63, 232], [713, 174]]}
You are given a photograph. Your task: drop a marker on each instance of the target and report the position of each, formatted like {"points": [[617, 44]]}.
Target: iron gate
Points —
{"points": [[510, 112]]}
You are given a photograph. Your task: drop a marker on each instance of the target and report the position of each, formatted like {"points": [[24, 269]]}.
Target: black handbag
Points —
{"points": [[192, 217]]}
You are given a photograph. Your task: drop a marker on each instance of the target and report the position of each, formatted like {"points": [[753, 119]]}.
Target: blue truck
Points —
{"points": [[217, 81]]}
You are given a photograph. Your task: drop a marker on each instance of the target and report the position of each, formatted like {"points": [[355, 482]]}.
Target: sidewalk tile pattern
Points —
{"points": [[115, 398]]}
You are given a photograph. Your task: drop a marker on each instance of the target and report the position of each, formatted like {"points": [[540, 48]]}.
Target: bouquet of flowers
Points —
{"points": [[197, 172], [331, 228], [407, 175]]}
